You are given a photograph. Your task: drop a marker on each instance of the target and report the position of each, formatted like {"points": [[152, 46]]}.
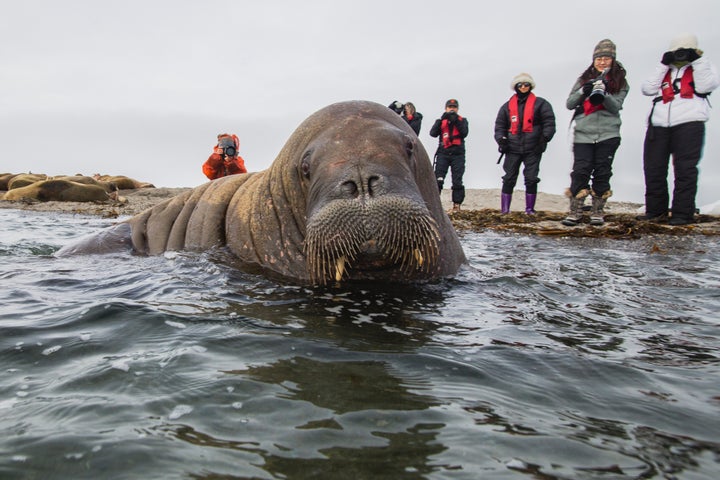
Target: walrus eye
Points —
{"points": [[409, 147], [305, 165]]}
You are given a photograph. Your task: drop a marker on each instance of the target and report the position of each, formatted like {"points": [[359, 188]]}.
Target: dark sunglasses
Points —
{"points": [[523, 84]]}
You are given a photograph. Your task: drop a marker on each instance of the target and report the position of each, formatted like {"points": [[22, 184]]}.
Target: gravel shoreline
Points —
{"points": [[480, 211]]}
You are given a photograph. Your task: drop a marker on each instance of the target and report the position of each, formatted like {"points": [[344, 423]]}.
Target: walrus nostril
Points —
{"points": [[350, 188], [372, 184]]}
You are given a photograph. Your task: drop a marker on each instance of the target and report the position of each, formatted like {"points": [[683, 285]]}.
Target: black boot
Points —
{"points": [[598, 206], [576, 208]]}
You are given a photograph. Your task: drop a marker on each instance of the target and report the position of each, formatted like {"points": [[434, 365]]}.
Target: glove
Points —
{"points": [[599, 85], [668, 58], [445, 116], [541, 146], [452, 117], [689, 54], [503, 145], [587, 88]]}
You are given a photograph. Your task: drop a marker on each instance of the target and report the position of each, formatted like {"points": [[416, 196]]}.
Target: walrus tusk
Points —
{"points": [[339, 268], [418, 257]]}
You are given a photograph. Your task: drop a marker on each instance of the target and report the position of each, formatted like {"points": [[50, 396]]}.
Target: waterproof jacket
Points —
{"points": [[682, 110], [600, 125], [543, 126], [218, 165], [415, 123]]}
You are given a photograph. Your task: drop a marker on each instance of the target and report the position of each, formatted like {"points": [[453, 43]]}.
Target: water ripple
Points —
{"points": [[543, 358]]}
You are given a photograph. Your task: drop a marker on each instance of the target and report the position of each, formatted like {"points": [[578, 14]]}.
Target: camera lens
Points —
{"points": [[230, 151], [681, 55], [597, 97]]}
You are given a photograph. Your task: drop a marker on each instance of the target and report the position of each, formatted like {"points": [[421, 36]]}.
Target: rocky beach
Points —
{"points": [[479, 211]]}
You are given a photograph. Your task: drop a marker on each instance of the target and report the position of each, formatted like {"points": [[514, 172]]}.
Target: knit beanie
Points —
{"points": [[685, 40], [604, 48], [522, 77]]}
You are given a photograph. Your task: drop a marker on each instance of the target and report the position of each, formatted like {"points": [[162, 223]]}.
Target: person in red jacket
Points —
{"points": [[224, 159]]}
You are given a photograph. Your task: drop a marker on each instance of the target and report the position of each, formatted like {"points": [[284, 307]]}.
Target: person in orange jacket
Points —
{"points": [[224, 159]]}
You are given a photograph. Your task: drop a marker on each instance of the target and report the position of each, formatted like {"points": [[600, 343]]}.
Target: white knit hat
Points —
{"points": [[522, 77], [685, 40]]}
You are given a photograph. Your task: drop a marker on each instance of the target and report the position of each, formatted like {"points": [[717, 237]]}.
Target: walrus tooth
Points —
{"points": [[418, 257], [339, 268]]}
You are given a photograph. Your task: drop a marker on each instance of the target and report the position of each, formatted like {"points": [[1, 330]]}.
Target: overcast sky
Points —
{"points": [[142, 87]]}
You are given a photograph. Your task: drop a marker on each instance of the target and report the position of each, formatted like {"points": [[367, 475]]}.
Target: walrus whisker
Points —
{"points": [[392, 228]]}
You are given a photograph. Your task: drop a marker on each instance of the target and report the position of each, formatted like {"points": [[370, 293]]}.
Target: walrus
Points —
{"points": [[350, 197], [122, 182], [58, 190], [5, 179], [25, 179]]}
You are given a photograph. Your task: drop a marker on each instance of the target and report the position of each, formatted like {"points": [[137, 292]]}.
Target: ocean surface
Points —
{"points": [[545, 358]]}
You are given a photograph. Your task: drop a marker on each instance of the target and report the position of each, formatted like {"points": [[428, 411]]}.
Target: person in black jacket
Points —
{"points": [[452, 130], [412, 117], [523, 127]]}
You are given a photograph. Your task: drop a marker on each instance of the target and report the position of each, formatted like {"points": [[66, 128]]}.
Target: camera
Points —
{"points": [[597, 95], [681, 54], [397, 107], [228, 146]]}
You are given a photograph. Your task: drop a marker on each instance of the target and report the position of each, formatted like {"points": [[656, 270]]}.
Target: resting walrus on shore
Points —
{"points": [[351, 196]]}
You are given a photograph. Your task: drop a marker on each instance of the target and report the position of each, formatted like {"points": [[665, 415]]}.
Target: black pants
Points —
{"points": [[456, 165], [685, 143], [511, 165], [593, 161]]}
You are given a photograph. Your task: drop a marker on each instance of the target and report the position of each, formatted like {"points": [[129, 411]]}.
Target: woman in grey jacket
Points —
{"points": [[597, 98]]}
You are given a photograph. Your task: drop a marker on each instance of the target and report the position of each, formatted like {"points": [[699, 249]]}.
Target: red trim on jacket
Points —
{"points": [[528, 113], [686, 86], [589, 108], [450, 138]]}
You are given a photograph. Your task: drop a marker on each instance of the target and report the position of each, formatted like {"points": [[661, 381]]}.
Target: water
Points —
{"points": [[545, 358]]}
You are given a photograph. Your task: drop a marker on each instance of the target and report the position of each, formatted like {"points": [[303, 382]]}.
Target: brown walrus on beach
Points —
{"points": [[122, 182], [351, 196], [24, 179], [60, 190]]}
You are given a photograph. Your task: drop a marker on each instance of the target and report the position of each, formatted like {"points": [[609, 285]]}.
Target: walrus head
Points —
{"points": [[366, 217], [350, 197]]}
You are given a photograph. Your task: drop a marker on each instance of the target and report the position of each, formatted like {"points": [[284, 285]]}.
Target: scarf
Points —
{"points": [[589, 108]]}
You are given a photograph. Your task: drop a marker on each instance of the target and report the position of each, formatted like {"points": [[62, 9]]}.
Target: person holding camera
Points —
{"points": [[523, 127], [412, 117], [224, 159], [676, 126], [408, 112], [597, 98], [451, 129]]}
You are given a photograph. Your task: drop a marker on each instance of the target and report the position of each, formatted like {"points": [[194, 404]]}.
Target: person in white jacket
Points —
{"points": [[676, 126]]}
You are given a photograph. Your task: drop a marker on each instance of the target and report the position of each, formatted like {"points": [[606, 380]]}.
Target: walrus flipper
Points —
{"points": [[151, 228], [114, 239], [206, 221]]}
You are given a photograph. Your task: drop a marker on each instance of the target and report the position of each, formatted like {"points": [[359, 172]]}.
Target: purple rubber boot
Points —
{"points": [[505, 199], [530, 203]]}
